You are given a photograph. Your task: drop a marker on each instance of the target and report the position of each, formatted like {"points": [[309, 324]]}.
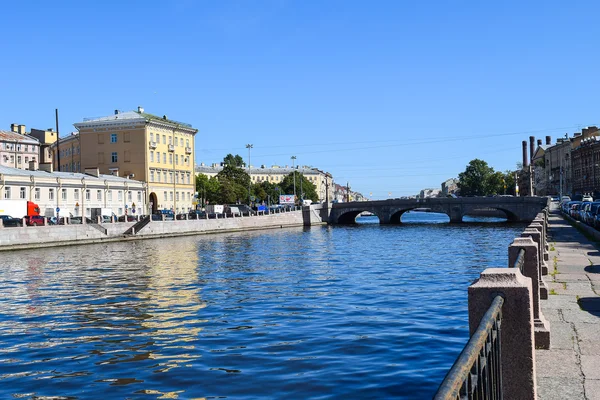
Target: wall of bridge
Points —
{"points": [[521, 209]]}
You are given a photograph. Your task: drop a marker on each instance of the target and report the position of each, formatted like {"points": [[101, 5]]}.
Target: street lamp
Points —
{"points": [[249, 146], [294, 171]]}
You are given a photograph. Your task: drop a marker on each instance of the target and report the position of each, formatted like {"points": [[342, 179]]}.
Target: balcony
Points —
{"points": [[188, 150], [152, 145], [171, 147]]}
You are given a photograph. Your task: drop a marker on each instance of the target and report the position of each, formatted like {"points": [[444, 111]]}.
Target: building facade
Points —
{"points": [[17, 149], [136, 144], [73, 194], [46, 138]]}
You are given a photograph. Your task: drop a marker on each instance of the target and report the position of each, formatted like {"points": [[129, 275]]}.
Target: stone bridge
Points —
{"points": [[522, 209]]}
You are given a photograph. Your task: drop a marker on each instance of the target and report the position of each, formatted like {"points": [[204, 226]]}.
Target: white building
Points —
{"points": [[17, 149], [74, 194]]}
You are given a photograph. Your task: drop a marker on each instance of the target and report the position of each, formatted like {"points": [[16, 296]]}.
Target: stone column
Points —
{"points": [[531, 270], [536, 236], [542, 243], [517, 337], [540, 219]]}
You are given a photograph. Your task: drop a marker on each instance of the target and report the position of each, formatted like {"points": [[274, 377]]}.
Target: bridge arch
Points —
{"points": [[349, 217]]}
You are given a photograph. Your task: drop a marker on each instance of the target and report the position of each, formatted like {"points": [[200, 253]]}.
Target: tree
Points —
{"points": [[234, 161], [234, 184], [207, 188], [267, 190], [509, 182], [302, 184], [475, 180]]}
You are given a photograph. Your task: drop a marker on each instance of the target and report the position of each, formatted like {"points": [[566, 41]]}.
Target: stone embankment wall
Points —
{"points": [[62, 235]]}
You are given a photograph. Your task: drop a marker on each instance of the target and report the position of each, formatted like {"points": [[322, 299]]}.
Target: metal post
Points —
{"points": [[249, 146], [57, 142], [294, 171]]}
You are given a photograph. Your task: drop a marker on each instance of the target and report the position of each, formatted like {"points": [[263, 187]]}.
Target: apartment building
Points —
{"points": [[17, 149], [73, 194], [135, 144]]}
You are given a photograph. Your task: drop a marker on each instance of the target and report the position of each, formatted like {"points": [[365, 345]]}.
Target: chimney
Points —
{"points": [[531, 147], [140, 109], [46, 167], [14, 128], [525, 159], [539, 142], [22, 129], [92, 171], [548, 140], [32, 165], [116, 112]]}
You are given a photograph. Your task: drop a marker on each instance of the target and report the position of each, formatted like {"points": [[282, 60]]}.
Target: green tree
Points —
{"points": [[207, 188], [266, 191], [475, 180], [495, 183], [234, 184], [509, 182], [303, 185], [234, 161]]}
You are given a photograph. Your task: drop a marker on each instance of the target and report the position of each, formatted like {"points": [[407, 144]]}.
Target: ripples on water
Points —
{"points": [[328, 312]]}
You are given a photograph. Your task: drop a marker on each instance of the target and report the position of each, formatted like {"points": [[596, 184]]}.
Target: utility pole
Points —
{"points": [[249, 146], [294, 171], [57, 141]]}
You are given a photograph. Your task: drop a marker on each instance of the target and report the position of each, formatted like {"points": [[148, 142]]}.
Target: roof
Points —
{"points": [[17, 137], [131, 116], [65, 175], [259, 171]]}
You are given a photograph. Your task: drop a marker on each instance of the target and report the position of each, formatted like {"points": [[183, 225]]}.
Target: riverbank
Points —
{"points": [[570, 369], [68, 235]]}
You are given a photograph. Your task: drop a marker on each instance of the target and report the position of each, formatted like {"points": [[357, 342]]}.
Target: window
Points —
{"points": [[165, 177], [177, 178], [113, 157], [176, 159], [171, 196], [170, 140], [129, 196], [50, 194], [113, 138], [151, 137], [187, 142], [63, 194], [164, 158], [120, 195], [26, 160], [110, 195], [99, 195], [170, 158], [151, 176], [177, 195], [88, 194], [165, 196], [158, 157], [120, 211], [7, 192], [22, 193], [164, 139], [139, 197], [36, 193], [76, 194], [151, 156], [181, 142], [171, 178]]}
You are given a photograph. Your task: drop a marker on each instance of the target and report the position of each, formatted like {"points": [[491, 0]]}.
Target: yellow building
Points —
{"points": [[149, 148]]}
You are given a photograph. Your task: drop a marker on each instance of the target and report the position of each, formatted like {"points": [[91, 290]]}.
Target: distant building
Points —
{"points": [[450, 186], [17, 149], [429, 193], [323, 181]]}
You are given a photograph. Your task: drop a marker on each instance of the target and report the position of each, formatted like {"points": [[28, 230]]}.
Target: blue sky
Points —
{"points": [[390, 96]]}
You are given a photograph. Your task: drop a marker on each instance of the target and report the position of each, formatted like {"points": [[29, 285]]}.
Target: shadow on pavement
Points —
{"points": [[590, 304], [594, 269]]}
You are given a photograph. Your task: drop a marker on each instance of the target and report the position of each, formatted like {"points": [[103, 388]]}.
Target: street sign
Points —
{"points": [[126, 206], [133, 210], [57, 209]]}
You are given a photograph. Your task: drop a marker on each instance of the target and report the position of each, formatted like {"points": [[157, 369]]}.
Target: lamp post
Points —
{"points": [[249, 146], [294, 171]]}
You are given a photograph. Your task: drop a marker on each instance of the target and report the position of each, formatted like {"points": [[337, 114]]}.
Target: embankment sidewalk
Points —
{"points": [[570, 369]]}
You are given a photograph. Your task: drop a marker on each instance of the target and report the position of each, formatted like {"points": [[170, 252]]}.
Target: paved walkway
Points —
{"points": [[570, 369]]}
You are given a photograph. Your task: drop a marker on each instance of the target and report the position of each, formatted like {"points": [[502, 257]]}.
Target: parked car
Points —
{"points": [[35, 220], [7, 220], [169, 215], [54, 221], [590, 213], [196, 214], [128, 218]]}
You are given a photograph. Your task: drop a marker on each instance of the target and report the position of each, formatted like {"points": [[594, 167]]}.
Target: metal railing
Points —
{"points": [[477, 372], [520, 261]]}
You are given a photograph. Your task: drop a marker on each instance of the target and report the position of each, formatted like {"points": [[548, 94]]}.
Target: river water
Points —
{"points": [[364, 311]]}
